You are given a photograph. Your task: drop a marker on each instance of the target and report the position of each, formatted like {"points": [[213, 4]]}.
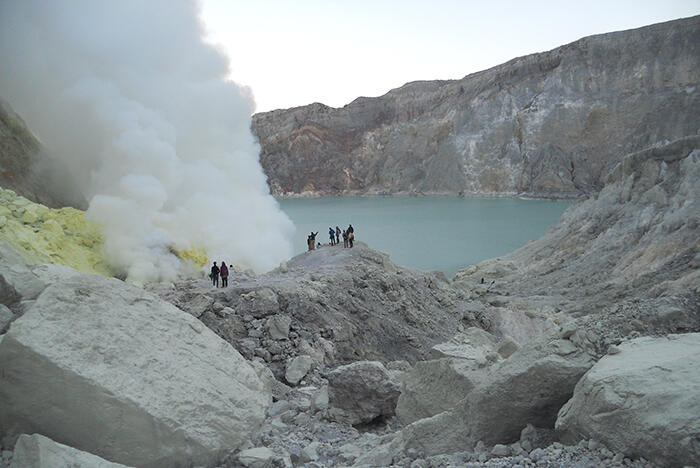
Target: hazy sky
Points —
{"points": [[295, 52]]}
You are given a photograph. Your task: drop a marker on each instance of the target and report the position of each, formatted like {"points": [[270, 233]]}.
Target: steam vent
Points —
{"points": [[130, 163]]}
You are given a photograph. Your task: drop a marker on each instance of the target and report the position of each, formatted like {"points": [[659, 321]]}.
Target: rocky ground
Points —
{"points": [[581, 349]]}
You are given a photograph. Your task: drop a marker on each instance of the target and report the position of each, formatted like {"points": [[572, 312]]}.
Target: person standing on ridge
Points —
{"points": [[311, 240], [331, 233], [351, 235], [345, 239], [337, 235], [224, 275], [214, 275]]}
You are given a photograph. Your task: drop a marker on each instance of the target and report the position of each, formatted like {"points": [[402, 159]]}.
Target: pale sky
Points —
{"points": [[295, 52]]}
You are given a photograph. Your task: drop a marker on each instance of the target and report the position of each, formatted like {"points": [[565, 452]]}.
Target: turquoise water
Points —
{"points": [[437, 233]]}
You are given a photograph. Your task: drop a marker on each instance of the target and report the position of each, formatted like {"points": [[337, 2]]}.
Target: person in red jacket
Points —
{"points": [[223, 271]]}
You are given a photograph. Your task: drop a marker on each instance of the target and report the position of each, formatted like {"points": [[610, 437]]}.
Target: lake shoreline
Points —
{"points": [[478, 195]]}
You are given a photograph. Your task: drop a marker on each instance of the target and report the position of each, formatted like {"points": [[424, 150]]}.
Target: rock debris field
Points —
{"points": [[584, 352]]}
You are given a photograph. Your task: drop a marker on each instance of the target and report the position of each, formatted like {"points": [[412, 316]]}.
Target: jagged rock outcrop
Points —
{"points": [[548, 124], [25, 169], [625, 262], [37, 451], [343, 305], [107, 368], [643, 401]]}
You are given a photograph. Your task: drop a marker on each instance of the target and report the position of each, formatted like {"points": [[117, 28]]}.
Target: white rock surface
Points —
{"points": [[257, 457], [37, 451], [363, 390], [297, 368], [432, 387], [278, 326], [104, 367], [643, 401], [473, 344]]}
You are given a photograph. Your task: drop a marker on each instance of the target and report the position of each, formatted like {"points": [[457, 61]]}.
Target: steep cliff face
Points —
{"points": [[547, 124], [27, 171]]}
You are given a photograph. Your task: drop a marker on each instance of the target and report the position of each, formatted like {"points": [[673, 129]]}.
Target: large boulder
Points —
{"points": [[107, 368], [37, 451], [528, 387], [363, 391], [643, 401], [432, 387]]}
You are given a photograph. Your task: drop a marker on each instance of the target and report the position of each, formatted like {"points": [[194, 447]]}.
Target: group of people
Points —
{"points": [[348, 236], [217, 272]]}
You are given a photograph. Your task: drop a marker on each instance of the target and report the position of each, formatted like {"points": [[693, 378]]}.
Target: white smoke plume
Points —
{"points": [[129, 98]]}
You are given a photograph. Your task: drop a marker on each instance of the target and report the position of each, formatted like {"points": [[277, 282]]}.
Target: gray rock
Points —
{"points": [[6, 316], [363, 390], [348, 453], [568, 329], [69, 364], [653, 382], [529, 386], [310, 452], [544, 124], [474, 344], [261, 302], [432, 387], [37, 451], [320, 399], [500, 450], [277, 389], [297, 368], [507, 346], [258, 457], [198, 305], [278, 327], [278, 407]]}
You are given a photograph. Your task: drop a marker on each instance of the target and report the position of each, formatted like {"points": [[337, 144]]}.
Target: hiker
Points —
{"points": [[345, 239], [337, 235], [331, 233], [351, 235], [224, 275], [214, 275], [311, 240]]}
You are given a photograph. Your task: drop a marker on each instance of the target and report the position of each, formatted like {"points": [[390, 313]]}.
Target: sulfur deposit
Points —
{"points": [[46, 235]]}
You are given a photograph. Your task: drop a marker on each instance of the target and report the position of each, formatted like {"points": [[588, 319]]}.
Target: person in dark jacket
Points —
{"points": [[351, 235], [331, 233], [224, 275], [337, 235], [214, 275]]}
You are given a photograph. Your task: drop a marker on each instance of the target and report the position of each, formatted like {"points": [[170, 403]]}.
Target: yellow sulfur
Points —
{"points": [[45, 235], [195, 255], [63, 236]]}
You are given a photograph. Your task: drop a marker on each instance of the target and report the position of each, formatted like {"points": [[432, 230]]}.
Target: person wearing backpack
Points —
{"points": [[331, 233]]}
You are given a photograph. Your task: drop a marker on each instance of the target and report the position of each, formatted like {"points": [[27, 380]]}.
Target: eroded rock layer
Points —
{"points": [[547, 124]]}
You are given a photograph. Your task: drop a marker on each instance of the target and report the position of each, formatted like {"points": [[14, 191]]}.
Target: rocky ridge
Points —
{"points": [[25, 168], [546, 125]]}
